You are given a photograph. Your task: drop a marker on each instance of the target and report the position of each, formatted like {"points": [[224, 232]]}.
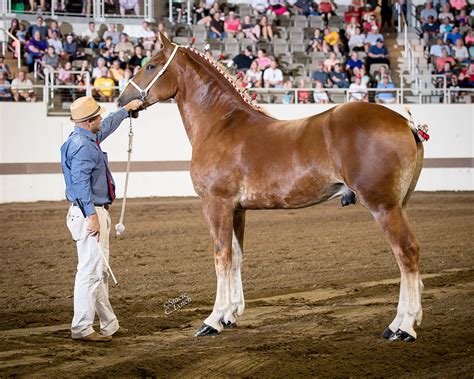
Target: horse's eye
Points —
{"points": [[150, 67]]}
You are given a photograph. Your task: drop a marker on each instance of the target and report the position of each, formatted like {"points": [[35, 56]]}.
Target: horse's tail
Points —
{"points": [[420, 152]]}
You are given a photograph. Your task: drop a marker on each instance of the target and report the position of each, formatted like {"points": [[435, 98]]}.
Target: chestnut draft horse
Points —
{"points": [[244, 159]]}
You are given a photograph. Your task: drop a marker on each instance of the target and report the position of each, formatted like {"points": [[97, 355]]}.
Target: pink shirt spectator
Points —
{"points": [[65, 76], [458, 4], [232, 25], [263, 62]]}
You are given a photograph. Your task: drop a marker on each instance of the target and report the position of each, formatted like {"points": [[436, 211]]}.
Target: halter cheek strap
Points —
{"points": [[144, 92]]}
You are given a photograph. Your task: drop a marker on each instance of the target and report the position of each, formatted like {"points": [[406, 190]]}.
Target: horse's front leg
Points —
{"points": [[219, 215]]}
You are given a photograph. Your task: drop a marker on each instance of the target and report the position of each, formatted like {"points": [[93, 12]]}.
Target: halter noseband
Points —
{"points": [[144, 92]]}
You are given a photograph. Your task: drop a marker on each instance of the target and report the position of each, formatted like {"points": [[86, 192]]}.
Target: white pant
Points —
{"points": [[91, 290]]}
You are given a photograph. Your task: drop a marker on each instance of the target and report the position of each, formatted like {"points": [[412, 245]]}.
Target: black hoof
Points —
{"points": [[228, 324], [387, 333], [206, 330], [400, 335]]}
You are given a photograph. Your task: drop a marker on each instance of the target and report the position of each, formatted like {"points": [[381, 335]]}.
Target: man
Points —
{"points": [[22, 88], [430, 30], [56, 43], [428, 12], [90, 36], [377, 54], [272, 76], [90, 189], [38, 26], [320, 75], [124, 45], [243, 60], [339, 77], [147, 36], [35, 49], [112, 32], [358, 91], [385, 97], [216, 29], [437, 50]]}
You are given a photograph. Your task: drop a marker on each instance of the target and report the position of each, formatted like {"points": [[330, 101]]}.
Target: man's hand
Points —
{"points": [[133, 105], [93, 226]]}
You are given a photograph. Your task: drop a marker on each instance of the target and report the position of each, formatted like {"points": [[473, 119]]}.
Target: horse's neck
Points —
{"points": [[206, 100]]}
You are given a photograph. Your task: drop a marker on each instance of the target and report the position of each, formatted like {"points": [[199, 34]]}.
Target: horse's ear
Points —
{"points": [[167, 45]]}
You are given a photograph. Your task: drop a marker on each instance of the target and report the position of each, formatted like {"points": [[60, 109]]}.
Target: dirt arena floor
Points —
{"points": [[320, 283]]}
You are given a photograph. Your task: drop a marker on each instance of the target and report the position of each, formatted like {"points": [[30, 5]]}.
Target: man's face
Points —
{"points": [[21, 75], [273, 64], [92, 27], [95, 124], [39, 21]]}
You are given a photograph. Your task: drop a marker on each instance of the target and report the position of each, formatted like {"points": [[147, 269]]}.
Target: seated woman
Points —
{"points": [[278, 8], [460, 52], [332, 41], [253, 76], [331, 61], [304, 97], [440, 61], [327, 9], [319, 94], [266, 29], [250, 30], [262, 59], [316, 43], [232, 25], [351, 27], [357, 40]]}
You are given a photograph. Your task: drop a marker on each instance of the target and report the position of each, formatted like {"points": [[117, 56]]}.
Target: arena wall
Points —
{"points": [[30, 142]]}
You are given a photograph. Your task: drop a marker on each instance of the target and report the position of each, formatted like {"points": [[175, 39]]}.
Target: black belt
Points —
{"points": [[105, 206]]}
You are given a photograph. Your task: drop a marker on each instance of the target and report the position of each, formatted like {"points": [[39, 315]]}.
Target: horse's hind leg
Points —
{"points": [[236, 288], [399, 235], [219, 215]]}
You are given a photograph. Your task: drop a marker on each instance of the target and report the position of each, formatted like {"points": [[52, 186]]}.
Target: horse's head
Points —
{"points": [[155, 81]]}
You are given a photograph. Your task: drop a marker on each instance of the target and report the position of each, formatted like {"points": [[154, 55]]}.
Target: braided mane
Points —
{"points": [[242, 92]]}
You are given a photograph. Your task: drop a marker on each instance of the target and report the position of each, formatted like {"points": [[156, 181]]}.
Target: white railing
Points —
{"points": [[52, 90], [5, 45]]}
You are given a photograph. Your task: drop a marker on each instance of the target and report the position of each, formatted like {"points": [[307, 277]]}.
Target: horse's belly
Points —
{"points": [[287, 196]]}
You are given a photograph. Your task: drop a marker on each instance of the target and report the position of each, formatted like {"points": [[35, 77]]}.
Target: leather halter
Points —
{"points": [[144, 92]]}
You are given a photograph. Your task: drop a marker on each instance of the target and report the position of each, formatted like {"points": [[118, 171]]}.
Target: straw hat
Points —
{"points": [[85, 108]]}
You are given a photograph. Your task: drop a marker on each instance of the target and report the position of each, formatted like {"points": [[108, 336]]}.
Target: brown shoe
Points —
{"points": [[94, 337], [121, 331]]}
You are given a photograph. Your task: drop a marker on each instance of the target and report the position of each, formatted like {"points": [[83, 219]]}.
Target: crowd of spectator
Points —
{"points": [[351, 56], [105, 61], [116, 7], [449, 38]]}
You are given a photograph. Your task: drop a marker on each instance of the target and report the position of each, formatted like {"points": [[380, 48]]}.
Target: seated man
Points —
{"points": [[124, 45], [377, 54], [430, 30], [321, 75], [216, 29], [385, 97], [428, 12], [273, 77], [339, 77], [22, 88], [437, 49], [244, 59]]}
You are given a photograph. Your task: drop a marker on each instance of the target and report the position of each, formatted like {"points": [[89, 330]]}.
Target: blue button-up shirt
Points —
{"points": [[85, 166]]}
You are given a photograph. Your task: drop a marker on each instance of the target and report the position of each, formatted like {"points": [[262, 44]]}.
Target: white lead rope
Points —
{"points": [[120, 227]]}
